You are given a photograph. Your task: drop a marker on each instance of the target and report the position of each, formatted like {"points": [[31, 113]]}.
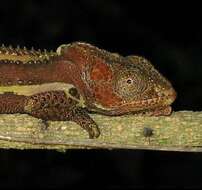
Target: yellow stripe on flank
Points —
{"points": [[29, 90]]}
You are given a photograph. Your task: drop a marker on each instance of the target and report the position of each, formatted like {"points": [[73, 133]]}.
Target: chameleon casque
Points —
{"points": [[77, 79]]}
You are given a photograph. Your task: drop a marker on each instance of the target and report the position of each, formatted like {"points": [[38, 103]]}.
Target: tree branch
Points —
{"points": [[182, 131]]}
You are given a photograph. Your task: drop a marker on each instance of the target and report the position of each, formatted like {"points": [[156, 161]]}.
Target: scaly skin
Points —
{"points": [[116, 85], [78, 78]]}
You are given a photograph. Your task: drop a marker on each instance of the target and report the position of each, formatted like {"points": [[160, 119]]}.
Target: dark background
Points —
{"points": [[170, 35]]}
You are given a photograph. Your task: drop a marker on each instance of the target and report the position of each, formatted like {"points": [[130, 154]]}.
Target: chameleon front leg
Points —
{"points": [[81, 117], [56, 106]]}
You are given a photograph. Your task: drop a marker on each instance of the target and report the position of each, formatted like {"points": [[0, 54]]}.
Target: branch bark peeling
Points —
{"points": [[182, 131]]}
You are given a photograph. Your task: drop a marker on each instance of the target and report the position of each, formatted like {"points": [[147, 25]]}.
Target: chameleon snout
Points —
{"points": [[170, 92], [170, 95]]}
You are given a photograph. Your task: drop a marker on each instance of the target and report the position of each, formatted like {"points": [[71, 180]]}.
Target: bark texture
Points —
{"points": [[182, 131]]}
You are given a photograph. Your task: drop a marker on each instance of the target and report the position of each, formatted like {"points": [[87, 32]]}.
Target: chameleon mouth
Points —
{"points": [[162, 100], [165, 98]]}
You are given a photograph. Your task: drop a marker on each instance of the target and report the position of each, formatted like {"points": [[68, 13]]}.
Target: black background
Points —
{"points": [[168, 34]]}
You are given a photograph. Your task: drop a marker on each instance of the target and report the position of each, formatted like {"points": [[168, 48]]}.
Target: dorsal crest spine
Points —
{"points": [[24, 56]]}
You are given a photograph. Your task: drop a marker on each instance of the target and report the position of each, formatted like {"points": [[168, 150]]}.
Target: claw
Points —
{"points": [[94, 132]]}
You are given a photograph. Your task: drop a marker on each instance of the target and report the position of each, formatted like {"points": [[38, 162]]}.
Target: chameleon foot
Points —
{"points": [[93, 131], [81, 117]]}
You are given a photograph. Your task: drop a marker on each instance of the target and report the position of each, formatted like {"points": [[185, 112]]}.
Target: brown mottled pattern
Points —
{"points": [[52, 101], [11, 103], [56, 106]]}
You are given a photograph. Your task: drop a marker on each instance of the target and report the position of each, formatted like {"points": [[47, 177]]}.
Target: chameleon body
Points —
{"points": [[79, 78]]}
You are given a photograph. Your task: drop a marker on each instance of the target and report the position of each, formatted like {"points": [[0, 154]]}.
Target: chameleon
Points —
{"points": [[77, 79]]}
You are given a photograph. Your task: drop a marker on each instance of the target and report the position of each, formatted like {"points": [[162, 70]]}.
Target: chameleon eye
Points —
{"points": [[129, 81], [129, 87]]}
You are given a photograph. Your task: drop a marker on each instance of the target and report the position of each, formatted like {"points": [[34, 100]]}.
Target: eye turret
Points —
{"points": [[129, 85]]}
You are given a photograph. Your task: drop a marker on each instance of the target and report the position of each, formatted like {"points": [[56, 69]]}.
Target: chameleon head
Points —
{"points": [[115, 85], [134, 86]]}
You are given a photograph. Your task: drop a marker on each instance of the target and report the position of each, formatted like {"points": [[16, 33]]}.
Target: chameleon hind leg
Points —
{"points": [[56, 106]]}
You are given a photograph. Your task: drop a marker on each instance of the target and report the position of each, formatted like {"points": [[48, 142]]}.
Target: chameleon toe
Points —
{"points": [[95, 131]]}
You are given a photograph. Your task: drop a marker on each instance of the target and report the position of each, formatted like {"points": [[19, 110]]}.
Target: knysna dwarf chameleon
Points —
{"points": [[77, 79]]}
